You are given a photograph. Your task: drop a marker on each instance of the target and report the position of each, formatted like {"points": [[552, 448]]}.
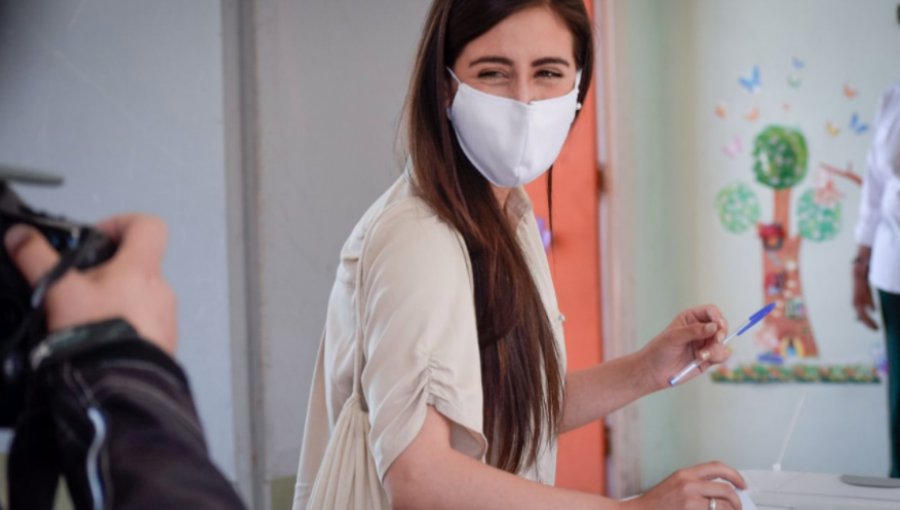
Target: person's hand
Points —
{"points": [[130, 285], [862, 293], [693, 489], [695, 334]]}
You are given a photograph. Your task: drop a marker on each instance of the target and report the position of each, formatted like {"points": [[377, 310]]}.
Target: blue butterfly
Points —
{"points": [[856, 125], [753, 82], [797, 63]]}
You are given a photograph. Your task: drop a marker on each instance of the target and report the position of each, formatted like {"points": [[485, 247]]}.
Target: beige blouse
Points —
{"points": [[418, 324]]}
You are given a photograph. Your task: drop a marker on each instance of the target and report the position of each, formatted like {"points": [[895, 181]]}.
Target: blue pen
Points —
{"points": [[756, 317]]}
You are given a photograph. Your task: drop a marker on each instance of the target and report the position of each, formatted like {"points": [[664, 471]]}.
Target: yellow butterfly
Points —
{"points": [[832, 129]]}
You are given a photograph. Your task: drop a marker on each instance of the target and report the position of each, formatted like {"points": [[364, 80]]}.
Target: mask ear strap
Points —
{"points": [[453, 75], [578, 88]]}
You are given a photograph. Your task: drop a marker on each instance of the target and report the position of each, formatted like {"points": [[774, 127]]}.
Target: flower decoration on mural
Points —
{"points": [[826, 192], [828, 195]]}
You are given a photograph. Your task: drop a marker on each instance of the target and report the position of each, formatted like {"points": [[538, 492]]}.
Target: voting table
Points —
{"points": [[785, 490]]}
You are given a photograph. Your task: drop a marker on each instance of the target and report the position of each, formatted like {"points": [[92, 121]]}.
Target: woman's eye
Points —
{"points": [[546, 73], [490, 75]]}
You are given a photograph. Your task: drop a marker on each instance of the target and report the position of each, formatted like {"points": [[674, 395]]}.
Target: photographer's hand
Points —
{"points": [[130, 285]]}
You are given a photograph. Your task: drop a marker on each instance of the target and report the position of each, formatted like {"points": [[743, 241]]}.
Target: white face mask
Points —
{"points": [[511, 143]]}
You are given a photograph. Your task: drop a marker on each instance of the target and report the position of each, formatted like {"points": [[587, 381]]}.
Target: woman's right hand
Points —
{"points": [[692, 489]]}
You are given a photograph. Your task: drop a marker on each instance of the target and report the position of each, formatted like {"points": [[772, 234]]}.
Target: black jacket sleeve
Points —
{"points": [[118, 421]]}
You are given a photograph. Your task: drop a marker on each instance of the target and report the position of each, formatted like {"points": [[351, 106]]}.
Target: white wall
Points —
{"points": [[126, 100], [199, 112], [681, 59], [332, 77]]}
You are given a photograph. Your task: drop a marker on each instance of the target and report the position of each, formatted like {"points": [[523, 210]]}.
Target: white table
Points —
{"points": [[785, 490]]}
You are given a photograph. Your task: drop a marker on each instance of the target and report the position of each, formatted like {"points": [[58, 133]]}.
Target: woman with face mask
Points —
{"points": [[443, 347]]}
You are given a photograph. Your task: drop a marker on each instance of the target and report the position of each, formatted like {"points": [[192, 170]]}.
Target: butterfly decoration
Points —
{"points": [[752, 115], [794, 81], [734, 148], [721, 110], [856, 125], [753, 82], [832, 129], [797, 63], [850, 92]]}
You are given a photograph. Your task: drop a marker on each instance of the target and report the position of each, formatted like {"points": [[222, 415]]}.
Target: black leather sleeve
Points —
{"points": [[118, 421]]}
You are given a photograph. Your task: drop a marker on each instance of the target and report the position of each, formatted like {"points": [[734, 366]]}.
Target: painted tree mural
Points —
{"points": [[780, 162]]}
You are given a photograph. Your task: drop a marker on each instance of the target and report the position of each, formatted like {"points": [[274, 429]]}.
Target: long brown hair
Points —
{"points": [[521, 374]]}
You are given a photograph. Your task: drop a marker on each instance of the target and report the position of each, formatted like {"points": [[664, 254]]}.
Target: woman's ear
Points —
{"points": [[450, 89]]}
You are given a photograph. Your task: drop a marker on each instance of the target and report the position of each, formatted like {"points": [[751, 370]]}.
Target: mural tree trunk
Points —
{"points": [[788, 325]]}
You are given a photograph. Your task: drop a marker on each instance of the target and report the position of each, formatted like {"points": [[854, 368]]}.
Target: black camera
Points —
{"points": [[22, 320]]}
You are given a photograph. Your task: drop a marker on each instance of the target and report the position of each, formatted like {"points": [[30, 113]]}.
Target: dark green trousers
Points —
{"points": [[890, 311]]}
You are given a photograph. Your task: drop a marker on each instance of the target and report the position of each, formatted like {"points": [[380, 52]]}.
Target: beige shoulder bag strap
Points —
{"points": [[347, 478]]}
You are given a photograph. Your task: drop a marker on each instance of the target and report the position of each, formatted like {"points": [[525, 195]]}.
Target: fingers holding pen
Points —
{"points": [[715, 315], [706, 338], [708, 313]]}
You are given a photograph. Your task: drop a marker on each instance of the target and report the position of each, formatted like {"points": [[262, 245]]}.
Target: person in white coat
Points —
{"points": [[877, 263]]}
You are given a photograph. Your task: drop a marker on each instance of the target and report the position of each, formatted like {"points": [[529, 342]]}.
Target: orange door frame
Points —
{"points": [[575, 263]]}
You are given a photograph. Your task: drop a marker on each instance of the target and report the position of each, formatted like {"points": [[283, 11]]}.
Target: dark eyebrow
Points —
{"points": [[496, 59], [492, 59], [550, 60]]}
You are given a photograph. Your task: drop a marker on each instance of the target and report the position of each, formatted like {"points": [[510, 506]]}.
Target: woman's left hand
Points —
{"points": [[695, 334]]}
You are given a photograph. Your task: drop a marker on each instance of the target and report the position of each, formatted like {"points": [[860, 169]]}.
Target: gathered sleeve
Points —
{"points": [[417, 313]]}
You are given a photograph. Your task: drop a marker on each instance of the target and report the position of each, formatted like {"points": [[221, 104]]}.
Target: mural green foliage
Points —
{"points": [[779, 157], [818, 222], [738, 207]]}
